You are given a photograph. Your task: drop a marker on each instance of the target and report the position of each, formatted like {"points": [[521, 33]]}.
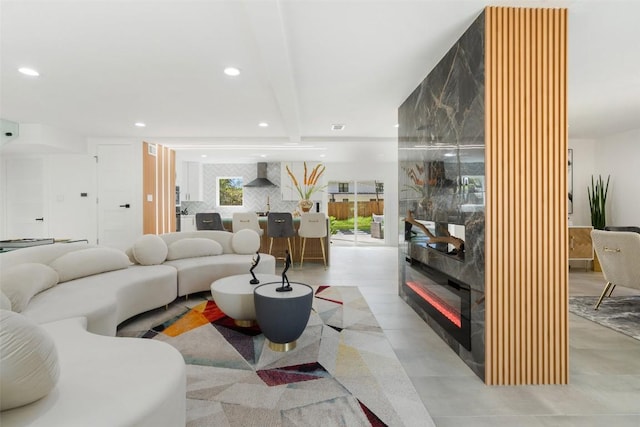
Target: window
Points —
{"points": [[379, 187], [343, 187], [230, 191]]}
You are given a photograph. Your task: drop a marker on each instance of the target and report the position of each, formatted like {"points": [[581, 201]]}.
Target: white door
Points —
{"points": [[117, 225], [25, 205]]}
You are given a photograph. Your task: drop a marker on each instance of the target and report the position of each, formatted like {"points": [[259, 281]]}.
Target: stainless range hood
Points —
{"points": [[261, 180]]}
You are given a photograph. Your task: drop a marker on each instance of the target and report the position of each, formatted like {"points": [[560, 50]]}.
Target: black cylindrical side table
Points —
{"points": [[282, 316]]}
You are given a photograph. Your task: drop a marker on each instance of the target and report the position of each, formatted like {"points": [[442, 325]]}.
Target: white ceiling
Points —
{"points": [[306, 64]]}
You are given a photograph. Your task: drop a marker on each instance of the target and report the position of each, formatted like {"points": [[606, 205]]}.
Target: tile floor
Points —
{"points": [[604, 387]]}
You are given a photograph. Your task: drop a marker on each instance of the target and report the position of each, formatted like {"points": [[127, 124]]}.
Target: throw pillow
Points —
{"points": [[245, 242], [21, 282], [5, 302], [132, 258], [150, 249], [193, 247], [87, 262], [29, 361]]}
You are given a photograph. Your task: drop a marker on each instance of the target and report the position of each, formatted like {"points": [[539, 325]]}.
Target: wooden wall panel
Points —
{"points": [[149, 172], [526, 214], [158, 182]]}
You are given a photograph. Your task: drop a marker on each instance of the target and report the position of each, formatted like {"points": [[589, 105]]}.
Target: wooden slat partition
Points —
{"points": [[149, 184], [526, 214], [159, 182]]}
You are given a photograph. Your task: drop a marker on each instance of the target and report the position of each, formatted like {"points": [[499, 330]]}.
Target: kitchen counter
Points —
{"points": [[313, 251]]}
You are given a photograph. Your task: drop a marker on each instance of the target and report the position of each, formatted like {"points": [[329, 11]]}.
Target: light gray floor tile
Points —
{"points": [[604, 365]]}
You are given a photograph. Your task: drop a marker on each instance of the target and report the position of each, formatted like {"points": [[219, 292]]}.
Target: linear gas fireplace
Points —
{"points": [[446, 300]]}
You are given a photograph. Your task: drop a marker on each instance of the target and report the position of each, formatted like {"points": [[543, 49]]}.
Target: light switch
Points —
{"points": [[149, 197]]}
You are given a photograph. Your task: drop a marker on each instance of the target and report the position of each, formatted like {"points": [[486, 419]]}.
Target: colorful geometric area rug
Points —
{"points": [[343, 371], [621, 314]]}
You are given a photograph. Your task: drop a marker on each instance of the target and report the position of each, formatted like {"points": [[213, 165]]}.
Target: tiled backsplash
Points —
{"points": [[255, 198]]}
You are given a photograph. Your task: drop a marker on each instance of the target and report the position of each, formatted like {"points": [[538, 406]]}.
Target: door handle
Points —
{"points": [[125, 206], [40, 219]]}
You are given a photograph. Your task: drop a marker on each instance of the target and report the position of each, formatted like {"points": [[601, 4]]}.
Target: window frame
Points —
{"points": [[218, 192]]}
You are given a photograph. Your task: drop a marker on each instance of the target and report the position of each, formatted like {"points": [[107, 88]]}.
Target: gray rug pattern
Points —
{"points": [[621, 314]]}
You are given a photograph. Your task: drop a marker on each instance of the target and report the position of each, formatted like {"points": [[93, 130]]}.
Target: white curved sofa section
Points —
{"points": [[106, 299], [107, 381], [197, 274]]}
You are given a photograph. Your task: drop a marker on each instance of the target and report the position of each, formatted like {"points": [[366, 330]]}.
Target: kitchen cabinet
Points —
{"points": [[188, 223], [191, 183]]}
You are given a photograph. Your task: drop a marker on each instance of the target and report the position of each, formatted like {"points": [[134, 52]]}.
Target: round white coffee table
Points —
{"points": [[234, 296]]}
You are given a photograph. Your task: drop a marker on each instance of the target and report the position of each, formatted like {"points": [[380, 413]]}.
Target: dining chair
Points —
{"points": [[279, 225], [242, 220], [209, 221], [313, 226]]}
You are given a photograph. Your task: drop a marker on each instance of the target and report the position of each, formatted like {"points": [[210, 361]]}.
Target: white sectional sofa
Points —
{"points": [[105, 380]]}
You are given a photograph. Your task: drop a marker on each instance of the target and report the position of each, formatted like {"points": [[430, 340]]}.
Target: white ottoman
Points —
{"points": [[234, 296]]}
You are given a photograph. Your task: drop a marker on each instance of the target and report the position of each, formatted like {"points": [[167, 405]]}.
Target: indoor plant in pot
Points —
{"points": [[308, 185], [597, 203]]}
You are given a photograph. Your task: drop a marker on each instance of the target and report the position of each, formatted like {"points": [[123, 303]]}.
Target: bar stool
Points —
{"points": [[242, 220], [209, 221], [313, 225], [280, 224]]}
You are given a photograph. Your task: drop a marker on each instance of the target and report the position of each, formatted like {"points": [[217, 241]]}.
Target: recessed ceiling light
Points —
{"points": [[396, 125], [337, 126], [139, 124], [263, 124], [263, 155], [449, 154], [323, 155], [28, 72], [232, 71], [203, 155]]}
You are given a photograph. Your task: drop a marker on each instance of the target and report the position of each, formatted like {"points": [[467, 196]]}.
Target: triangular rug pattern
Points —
{"points": [[342, 371]]}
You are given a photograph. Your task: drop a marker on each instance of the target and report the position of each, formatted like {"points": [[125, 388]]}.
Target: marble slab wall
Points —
{"points": [[441, 176]]}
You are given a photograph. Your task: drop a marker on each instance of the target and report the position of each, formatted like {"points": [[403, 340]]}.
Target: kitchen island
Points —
{"points": [[313, 250]]}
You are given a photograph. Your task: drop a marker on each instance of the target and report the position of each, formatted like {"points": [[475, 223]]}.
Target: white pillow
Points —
{"points": [[150, 249], [21, 282], [87, 262], [29, 361], [193, 247], [245, 242], [5, 302], [132, 257]]}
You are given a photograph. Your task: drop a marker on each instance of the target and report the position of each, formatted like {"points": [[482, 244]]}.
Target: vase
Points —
{"points": [[305, 205]]}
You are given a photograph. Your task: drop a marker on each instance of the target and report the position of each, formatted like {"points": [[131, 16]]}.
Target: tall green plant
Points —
{"points": [[597, 202]]}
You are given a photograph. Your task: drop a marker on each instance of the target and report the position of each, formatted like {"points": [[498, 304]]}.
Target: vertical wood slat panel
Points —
{"points": [[171, 173], [158, 198], [148, 187], [526, 235]]}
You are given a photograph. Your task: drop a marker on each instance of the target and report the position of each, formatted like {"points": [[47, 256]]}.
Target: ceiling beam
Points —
{"points": [[267, 23]]}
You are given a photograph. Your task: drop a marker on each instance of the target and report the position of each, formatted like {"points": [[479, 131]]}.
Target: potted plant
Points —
{"points": [[597, 203], [308, 185]]}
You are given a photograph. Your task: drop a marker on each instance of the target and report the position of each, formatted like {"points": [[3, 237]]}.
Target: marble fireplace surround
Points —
{"points": [[441, 145]]}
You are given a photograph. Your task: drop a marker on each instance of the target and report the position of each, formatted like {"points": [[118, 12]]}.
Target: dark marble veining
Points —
{"points": [[441, 177]]}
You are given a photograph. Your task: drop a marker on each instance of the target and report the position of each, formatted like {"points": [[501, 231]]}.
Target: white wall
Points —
{"points": [[618, 156], [584, 165], [72, 215], [615, 155]]}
